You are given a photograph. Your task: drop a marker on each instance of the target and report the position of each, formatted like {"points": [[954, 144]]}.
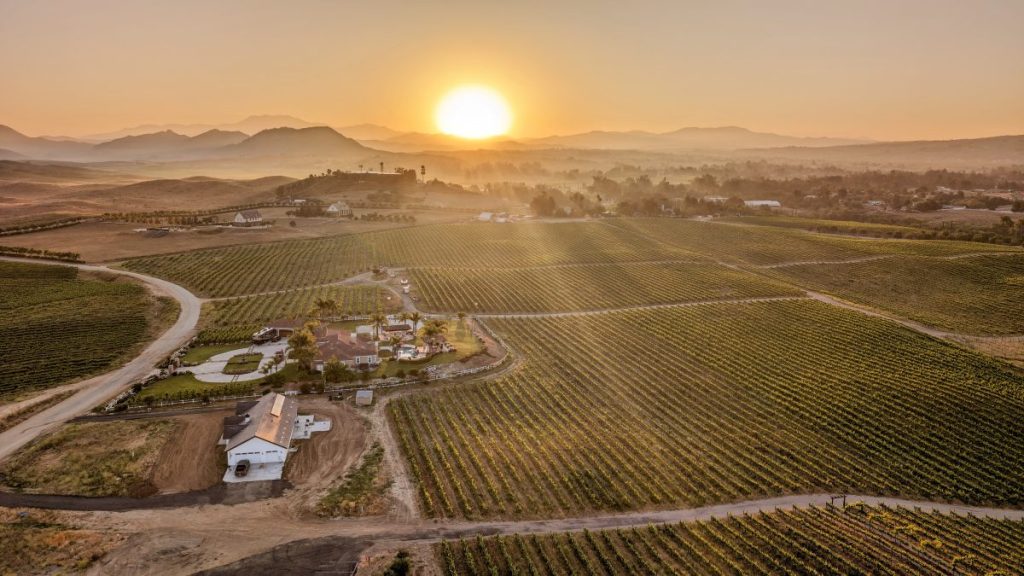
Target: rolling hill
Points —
{"points": [[963, 153], [684, 139]]}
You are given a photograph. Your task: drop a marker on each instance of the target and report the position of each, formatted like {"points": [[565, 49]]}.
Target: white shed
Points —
{"points": [[364, 397]]}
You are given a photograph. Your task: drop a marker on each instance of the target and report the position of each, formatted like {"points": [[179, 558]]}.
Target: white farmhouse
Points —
{"points": [[248, 218], [485, 216], [762, 204], [339, 209], [259, 437]]}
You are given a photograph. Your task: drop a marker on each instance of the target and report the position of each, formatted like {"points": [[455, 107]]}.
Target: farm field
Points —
{"points": [[284, 265], [824, 225], [764, 245], [855, 540], [687, 406], [976, 295], [249, 310], [57, 325], [585, 287]]}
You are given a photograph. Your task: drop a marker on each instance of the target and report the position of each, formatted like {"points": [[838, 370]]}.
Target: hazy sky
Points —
{"points": [[880, 69]]}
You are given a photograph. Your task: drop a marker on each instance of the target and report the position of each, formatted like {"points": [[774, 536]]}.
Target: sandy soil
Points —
{"points": [[191, 459], [327, 455]]}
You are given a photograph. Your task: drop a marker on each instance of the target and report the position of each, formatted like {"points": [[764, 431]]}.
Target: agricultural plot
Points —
{"points": [[56, 326], [826, 541], [835, 226], [585, 287], [249, 310], [763, 245], [284, 265], [975, 295], [693, 405]]}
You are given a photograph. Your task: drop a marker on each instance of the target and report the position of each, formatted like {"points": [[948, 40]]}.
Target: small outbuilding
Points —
{"points": [[364, 397]]}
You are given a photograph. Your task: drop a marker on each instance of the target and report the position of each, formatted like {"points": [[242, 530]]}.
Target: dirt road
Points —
{"points": [[99, 389], [172, 542]]}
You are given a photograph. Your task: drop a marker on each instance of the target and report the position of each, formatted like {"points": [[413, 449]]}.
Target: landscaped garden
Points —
{"points": [[243, 363]]}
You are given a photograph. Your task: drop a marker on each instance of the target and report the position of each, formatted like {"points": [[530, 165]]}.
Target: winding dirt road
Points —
{"points": [[171, 541], [99, 389]]}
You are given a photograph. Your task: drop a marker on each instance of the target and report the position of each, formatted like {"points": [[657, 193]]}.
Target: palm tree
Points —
{"points": [[394, 341], [378, 320], [415, 318], [326, 307], [462, 318], [404, 316]]}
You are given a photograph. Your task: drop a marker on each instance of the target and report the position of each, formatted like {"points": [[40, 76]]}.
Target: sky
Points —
{"points": [[879, 69]]}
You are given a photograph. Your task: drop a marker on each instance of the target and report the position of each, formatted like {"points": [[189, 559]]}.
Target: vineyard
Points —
{"points": [[55, 326], [250, 310], [694, 405], [855, 540], [977, 295], [253, 269], [764, 245], [585, 287]]}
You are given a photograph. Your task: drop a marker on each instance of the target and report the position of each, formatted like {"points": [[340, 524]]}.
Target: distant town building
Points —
{"points": [[485, 216], [762, 204]]}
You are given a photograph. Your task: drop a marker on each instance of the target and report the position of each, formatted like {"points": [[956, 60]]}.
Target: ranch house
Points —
{"points": [[354, 352], [339, 210]]}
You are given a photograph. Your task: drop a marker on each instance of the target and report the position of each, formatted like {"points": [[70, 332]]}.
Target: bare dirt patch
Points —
{"points": [[327, 455], [191, 460], [323, 556]]}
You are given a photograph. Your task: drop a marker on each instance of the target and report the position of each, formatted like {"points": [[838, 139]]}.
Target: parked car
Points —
{"points": [[242, 468]]}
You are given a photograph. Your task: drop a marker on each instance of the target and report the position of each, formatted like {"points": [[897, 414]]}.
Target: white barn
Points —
{"points": [[261, 433]]}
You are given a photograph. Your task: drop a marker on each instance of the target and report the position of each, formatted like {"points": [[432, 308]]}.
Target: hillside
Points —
{"points": [[12, 171], [319, 141], [684, 139], [41, 148], [964, 153]]}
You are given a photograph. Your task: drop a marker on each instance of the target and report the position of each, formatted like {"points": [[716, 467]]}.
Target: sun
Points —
{"points": [[473, 112]]}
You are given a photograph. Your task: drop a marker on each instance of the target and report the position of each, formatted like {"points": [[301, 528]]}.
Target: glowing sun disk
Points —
{"points": [[473, 112]]}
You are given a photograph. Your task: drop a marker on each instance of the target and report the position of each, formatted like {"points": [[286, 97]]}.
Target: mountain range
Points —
{"points": [[167, 146], [297, 145]]}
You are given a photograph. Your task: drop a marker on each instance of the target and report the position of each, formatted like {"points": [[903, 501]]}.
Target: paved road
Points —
{"points": [[99, 389]]}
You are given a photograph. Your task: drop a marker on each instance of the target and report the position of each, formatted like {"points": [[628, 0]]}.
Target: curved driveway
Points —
{"points": [[99, 389]]}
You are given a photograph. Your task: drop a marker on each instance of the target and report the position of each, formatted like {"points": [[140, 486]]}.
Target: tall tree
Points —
{"points": [[303, 348]]}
